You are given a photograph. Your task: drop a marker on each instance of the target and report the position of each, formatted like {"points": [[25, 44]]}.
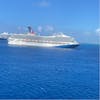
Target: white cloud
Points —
{"points": [[87, 33], [42, 3], [46, 28], [20, 28], [49, 28], [98, 30], [40, 28]]}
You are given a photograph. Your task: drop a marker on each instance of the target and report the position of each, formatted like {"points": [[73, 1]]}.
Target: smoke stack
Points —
{"points": [[30, 30]]}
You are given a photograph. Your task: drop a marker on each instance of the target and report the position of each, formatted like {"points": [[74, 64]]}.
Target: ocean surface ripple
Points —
{"points": [[49, 73]]}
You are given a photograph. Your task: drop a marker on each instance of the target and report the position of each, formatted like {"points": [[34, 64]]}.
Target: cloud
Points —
{"points": [[20, 28], [46, 28], [87, 33], [40, 28], [49, 28], [98, 30], [42, 3]]}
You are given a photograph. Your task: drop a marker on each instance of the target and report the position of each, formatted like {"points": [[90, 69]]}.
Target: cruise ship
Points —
{"points": [[31, 39], [4, 36]]}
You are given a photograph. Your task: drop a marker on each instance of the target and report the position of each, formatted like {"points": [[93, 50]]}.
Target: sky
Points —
{"points": [[78, 18]]}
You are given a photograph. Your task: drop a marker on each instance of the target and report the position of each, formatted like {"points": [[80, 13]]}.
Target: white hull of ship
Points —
{"points": [[23, 43]]}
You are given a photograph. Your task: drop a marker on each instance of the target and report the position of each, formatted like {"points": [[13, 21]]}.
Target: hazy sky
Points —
{"points": [[78, 18]]}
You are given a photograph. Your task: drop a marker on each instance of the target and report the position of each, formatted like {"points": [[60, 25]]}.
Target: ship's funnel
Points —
{"points": [[30, 30]]}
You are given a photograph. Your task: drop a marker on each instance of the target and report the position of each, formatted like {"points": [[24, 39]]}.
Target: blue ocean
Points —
{"points": [[49, 73]]}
